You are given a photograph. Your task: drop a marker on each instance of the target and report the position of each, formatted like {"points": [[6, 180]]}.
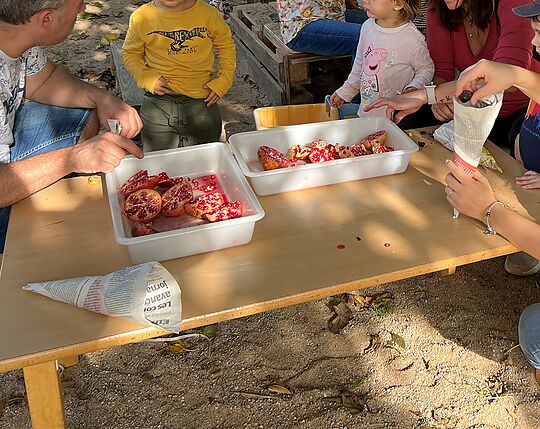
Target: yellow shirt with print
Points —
{"points": [[179, 46]]}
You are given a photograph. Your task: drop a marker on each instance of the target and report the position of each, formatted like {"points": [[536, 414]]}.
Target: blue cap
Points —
{"points": [[528, 10]]}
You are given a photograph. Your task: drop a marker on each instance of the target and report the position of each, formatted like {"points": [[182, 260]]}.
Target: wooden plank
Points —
{"points": [[264, 80], [44, 395], [448, 272], [259, 50]]}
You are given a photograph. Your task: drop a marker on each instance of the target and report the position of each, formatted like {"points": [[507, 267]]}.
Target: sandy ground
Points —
{"points": [[431, 352]]}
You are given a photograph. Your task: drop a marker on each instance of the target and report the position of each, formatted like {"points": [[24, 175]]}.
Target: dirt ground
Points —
{"points": [[428, 352]]}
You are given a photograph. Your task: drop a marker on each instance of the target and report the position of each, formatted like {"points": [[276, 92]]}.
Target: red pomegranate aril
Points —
{"points": [[143, 205], [225, 212], [175, 199]]}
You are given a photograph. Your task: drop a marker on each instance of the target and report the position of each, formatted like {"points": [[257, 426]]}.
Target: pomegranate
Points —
{"points": [[205, 204], [226, 211], [175, 198], [271, 159], [142, 205], [140, 180]]}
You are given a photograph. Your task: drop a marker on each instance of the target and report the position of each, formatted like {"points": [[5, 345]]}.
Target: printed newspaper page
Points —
{"points": [[144, 293]]}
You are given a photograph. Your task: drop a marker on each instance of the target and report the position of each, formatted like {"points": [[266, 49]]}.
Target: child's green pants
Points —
{"points": [[172, 121]]}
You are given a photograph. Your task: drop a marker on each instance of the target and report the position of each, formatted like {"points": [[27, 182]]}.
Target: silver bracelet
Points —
{"points": [[489, 230]]}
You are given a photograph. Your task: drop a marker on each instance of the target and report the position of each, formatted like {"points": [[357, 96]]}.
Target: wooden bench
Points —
{"points": [[277, 70]]}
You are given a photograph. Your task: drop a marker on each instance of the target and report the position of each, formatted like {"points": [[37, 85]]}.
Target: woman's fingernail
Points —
{"points": [[447, 161]]}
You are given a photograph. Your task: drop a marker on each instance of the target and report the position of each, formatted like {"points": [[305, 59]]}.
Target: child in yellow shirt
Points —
{"points": [[169, 51]]}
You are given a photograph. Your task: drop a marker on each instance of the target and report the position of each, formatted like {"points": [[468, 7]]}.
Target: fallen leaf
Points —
{"points": [[398, 340], [211, 330], [178, 348], [427, 364], [279, 389], [15, 399], [341, 317], [375, 343], [350, 400], [215, 373], [359, 301], [96, 4], [88, 15], [253, 395]]}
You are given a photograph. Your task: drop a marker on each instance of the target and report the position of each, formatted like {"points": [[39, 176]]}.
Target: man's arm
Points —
{"points": [[103, 153], [56, 86]]}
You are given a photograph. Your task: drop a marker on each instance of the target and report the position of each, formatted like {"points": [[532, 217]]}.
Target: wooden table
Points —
{"points": [[392, 228]]}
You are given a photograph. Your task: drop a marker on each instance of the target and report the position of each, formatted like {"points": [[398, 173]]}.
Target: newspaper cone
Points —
{"points": [[472, 125], [145, 293]]}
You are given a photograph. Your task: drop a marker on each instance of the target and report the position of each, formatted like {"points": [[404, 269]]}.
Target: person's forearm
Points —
{"points": [[20, 179], [63, 89], [521, 232], [528, 82]]}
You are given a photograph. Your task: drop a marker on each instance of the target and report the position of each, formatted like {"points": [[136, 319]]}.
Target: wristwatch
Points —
{"points": [[430, 92]]}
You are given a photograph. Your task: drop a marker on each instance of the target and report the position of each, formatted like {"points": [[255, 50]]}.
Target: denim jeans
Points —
{"points": [[529, 334], [40, 128], [327, 37]]}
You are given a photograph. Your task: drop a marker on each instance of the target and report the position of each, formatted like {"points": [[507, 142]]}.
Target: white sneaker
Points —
{"points": [[521, 264]]}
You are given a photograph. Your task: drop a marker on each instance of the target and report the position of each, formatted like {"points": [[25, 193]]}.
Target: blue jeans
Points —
{"points": [[529, 334], [327, 37], [40, 128]]}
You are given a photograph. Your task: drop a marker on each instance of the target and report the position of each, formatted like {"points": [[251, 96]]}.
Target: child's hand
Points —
{"points": [[336, 100], [530, 180], [162, 87], [211, 99]]}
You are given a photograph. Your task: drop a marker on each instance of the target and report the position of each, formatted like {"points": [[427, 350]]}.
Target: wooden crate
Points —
{"points": [[279, 71]]}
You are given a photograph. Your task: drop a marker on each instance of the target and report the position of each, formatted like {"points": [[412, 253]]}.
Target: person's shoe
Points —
{"points": [[521, 264]]}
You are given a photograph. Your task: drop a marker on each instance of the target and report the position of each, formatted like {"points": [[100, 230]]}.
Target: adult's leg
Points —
{"points": [[203, 123], [158, 131], [327, 37], [529, 336], [356, 16], [40, 128]]}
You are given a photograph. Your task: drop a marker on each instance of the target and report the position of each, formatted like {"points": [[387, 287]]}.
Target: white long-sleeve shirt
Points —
{"points": [[387, 60]]}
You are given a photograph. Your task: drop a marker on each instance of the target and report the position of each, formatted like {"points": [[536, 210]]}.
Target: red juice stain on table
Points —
{"points": [[341, 246]]}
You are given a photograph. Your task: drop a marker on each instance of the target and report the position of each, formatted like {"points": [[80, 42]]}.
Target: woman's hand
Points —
{"points": [[336, 100], [470, 195], [401, 105], [530, 180], [444, 112], [211, 99], [486, 78]]}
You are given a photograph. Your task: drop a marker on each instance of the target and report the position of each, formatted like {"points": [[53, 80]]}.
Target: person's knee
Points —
{"points": [[517, 154], [91, 129], [529, 334]]}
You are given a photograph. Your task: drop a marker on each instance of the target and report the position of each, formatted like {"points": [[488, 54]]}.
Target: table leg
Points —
{"points": [[448, 272], [44, 395], [69, 361]]}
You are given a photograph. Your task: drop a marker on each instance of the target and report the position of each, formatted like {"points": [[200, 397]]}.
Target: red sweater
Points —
{"points": [[508, 41]]}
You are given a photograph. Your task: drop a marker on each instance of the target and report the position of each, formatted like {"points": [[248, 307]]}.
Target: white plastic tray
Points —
{"points": [[346, 132], [195, 161]]}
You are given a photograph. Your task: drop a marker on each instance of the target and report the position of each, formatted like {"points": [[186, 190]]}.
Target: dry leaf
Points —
{"points": [[178, 348], [13, 400], [398, 340], [375, 343], [341, 317], [359, 301], [253, 395], [427, 364], [211, 330], [279, 389], [350, 400]]}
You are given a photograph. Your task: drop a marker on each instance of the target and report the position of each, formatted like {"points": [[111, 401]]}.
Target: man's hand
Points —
{"points": [[529, 180], [101, 154], [211, 99], [109, 106], [336, 100], [444, 112], [162, 87]]}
